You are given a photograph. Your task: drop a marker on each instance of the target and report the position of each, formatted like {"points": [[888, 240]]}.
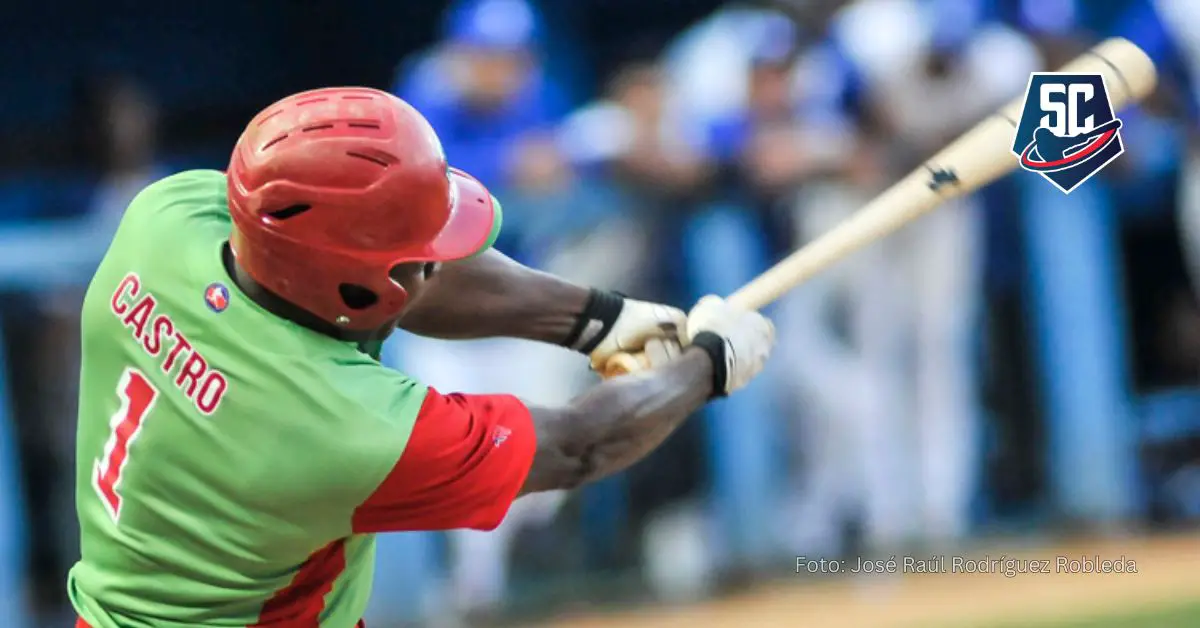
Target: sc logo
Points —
{"points": [[1064, 104], [1067, 131]]}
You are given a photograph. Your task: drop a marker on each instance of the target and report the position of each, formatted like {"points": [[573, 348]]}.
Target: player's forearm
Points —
{"points": [[492, 295], [616, 423]]}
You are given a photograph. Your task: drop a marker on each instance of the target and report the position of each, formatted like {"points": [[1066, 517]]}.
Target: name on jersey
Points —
{"points": [[158, 335]]}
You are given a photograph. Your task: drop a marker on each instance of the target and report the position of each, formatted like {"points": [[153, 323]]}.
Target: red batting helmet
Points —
{"points": [[330, 189]]}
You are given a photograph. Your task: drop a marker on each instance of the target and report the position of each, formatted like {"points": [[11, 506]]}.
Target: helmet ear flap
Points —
{"points": [[357, 297], [358, 301]]}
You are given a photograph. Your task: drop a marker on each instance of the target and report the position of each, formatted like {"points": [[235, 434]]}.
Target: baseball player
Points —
{"points": [[239, 444]]}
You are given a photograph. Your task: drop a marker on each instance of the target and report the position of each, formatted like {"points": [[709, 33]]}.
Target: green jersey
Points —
{"points": [[233, 466]]}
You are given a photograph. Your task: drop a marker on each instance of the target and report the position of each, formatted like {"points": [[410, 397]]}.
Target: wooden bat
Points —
{"points": [[977, 158]]}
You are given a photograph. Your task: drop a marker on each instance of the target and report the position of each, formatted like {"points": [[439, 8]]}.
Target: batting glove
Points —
{"points": [[738, 341], [611, 323]]}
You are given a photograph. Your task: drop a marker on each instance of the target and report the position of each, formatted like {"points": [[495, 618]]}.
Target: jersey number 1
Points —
{"points": [[137, 396]]}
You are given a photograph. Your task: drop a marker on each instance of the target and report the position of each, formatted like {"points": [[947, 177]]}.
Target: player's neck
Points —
{"points": [[274, 304]]}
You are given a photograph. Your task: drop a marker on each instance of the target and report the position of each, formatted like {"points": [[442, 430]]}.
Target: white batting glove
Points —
{"points": [[611, 323], [738, 341], [638, 323]]}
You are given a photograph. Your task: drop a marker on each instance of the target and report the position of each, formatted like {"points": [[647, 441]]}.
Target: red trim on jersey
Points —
{"points": [[299, 604], [465, 462]]}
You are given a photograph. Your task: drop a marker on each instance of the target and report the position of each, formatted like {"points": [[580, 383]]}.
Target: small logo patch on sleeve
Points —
{"points": [[216, 296], [500, 434]]}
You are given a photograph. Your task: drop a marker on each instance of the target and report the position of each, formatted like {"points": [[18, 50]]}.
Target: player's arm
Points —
{"points": [[620, 421], [492, 295], [469, 456], [617, 423]]}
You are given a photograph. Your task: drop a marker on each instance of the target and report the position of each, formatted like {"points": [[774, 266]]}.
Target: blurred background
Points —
{"points": [[1018, 372]]}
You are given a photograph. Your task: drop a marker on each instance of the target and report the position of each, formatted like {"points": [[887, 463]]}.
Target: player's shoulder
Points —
{"points": [[191, 194], [382, 394], [188, 184], [166, 226]]}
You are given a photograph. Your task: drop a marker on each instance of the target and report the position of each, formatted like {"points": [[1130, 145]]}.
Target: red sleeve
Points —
{"points": [[464, 464]]}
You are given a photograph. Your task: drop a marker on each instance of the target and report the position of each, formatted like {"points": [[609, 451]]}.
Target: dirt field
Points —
{"points": [[1168, 573]]}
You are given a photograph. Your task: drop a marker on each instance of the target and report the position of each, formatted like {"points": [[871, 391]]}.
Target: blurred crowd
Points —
{"points": [[1015, 359]]}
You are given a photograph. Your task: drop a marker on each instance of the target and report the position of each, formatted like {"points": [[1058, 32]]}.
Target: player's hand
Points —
{"points": [[739, 341], [638, 324], [660, 351]]}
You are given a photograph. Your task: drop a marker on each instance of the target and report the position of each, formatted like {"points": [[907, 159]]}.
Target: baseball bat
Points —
{"points": [[977, 158]]}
